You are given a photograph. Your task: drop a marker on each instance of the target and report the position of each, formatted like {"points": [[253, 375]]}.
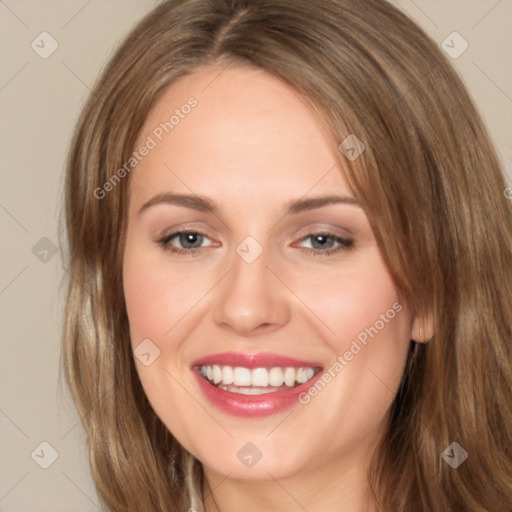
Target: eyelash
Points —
{"points": [[344, 244]]}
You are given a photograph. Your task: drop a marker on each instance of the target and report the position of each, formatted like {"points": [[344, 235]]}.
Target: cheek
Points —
{"points": [[359, 303], [158, 295]]}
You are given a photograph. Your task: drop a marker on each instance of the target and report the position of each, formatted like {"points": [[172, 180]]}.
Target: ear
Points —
{"points": [[422, 329]]}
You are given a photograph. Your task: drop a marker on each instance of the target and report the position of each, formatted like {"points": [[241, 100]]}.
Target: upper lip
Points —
{"points": [[260, 360]]}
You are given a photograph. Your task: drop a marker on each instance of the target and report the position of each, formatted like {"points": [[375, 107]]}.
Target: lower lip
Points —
{"points": [[253, 406]]}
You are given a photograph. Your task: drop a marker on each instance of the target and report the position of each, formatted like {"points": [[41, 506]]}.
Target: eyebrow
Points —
{"points": [[203, 204]]}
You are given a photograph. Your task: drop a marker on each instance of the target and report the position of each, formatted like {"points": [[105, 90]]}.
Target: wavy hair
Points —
{"points": [[430, 183]]}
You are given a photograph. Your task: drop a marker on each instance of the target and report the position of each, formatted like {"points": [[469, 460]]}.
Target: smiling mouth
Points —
{"points": [[256, 381]]}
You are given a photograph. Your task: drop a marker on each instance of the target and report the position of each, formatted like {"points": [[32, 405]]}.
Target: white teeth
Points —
{"points": [[304, 374], [249, 380], [289, 376], [227, 375], [217, 374], [275, 377], [241, 376], [259, 377]]}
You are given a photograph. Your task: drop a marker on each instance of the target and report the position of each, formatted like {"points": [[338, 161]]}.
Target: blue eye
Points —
{"points": [[190, 241], [322, 244]]}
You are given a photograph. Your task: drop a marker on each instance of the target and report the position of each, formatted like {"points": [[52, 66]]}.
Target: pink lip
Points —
{"points": [[262, 360], [253, 405]]}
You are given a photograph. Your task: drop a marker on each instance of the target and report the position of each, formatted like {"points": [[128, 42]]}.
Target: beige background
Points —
{"points": [[39, 103]]}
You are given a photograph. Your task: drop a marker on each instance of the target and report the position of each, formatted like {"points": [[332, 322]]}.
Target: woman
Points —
{"points": [[291, 266]]}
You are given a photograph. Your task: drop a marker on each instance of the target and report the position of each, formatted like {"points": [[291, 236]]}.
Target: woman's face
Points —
{"points": [[248, 259]]}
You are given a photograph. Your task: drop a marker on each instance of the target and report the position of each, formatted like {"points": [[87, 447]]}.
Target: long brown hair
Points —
{"points": [[430, 183]]}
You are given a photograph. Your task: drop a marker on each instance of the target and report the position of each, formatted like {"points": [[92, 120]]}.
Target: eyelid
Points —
{"points": [[183, 228], [176, 232], [327, 229], [343, 244]]}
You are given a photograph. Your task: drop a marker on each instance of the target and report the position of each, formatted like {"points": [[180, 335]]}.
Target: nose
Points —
{"points": [[251, 300]]}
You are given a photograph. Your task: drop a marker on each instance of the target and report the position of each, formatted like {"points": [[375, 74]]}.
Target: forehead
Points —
{"points": [[248, 134]]}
